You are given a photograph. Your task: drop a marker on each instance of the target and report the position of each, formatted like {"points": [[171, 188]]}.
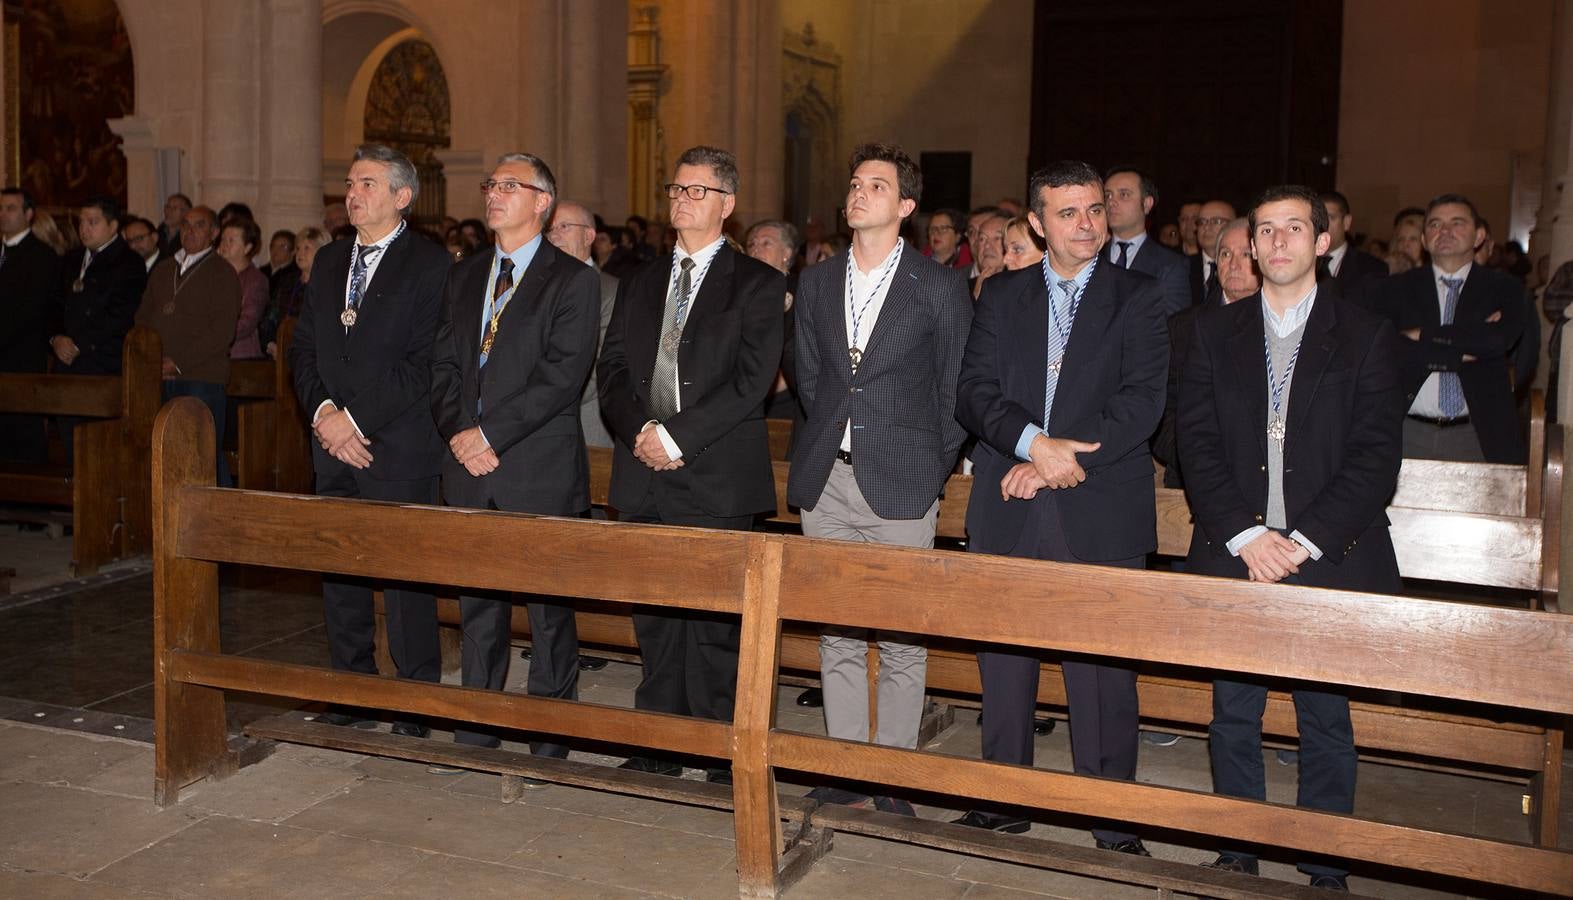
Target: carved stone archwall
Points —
{"points": [[407, 108], [811, 101]]}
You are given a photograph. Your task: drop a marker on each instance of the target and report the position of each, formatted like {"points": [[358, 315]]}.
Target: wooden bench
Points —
{"points": [[272, 450], [1503, 659], [106, 487]]}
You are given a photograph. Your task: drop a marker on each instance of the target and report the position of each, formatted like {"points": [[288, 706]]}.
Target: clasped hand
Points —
{"points": [[1271, 557], [470, 449], [1053, 465], [649, 450], [339, 436]]}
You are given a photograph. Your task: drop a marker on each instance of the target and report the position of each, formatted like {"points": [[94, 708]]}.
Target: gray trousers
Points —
{"points": [[842, 514], [1459, 443]]}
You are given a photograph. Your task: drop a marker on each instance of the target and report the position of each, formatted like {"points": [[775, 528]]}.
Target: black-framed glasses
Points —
{"points": [[507, 187], [694, 191]]}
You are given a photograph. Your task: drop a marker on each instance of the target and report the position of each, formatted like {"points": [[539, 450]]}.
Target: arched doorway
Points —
{"points": [[74, 72], [407, 109]]}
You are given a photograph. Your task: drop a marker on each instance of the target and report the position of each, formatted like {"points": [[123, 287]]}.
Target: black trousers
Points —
{"points": [[487, 641], [1327, 752], [689, 658], [411, 609], [1104, 716]]}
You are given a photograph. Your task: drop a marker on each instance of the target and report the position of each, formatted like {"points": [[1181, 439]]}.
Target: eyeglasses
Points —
{"points": [[940, 229], [1214, 221], [507, 187], [694, 191], [564, 226]]}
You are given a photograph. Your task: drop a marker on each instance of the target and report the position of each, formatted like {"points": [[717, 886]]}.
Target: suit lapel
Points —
{"points": [[903, 287], [1093, 315], [1316, 351], [1247, 350], [834, 316], [528, 293], [1030, 325], [470, 309]]}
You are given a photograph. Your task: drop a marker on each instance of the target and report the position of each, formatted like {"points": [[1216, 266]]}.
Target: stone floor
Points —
{"points": [[76, 817]]}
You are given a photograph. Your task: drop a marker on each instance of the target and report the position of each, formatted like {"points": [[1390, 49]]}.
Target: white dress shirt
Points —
{"points": [[1335, 258], [702, 258], [1130, 253], [371, 270], [1428, 400], [862, 284]]}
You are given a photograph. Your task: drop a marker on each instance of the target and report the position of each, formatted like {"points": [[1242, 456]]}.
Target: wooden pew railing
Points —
{"points": [[272, 452], [106, 487], [1500, 658]]}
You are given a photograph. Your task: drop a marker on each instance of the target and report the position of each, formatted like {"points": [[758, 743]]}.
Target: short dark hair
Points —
{"points": [[234, 209], [285, 234], [1059, 174], [1406, 212], [105, 205], [1459, 199], [638, 222], [181, 197], [721, 162], [1148, 188], [137, 220], [909, 178], [1336, 197], [27, 199], [1292, 192], [249, 232], [957, 218], [987, 211]]}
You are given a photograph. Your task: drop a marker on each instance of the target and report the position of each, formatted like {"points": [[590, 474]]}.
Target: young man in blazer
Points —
{"points": [[879, 336], [1063, 384], [362, 368], [1461, 322], [1356, 271], [1297, 380], [1130, 196], [689, 358], [514, 348]]}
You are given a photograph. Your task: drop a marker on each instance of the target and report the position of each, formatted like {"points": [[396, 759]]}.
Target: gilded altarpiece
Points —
{"points": [[407, 109]]}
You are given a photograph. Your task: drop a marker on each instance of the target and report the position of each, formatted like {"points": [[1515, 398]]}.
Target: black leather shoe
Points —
{"points": [[591, 663], [1331, 882], [812, 697], [411, 729], [839, 797], [1041, 727], [347, 720], [653, 766], [1228, 862], [895, 805], [1134, 847], [994, 822], [718, 776]]}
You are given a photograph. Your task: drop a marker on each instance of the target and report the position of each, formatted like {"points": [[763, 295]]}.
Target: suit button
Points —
{"points": [[344, 358], [1259, 520], [1264, 468]]}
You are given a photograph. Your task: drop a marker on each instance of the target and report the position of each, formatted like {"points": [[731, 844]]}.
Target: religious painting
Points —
{"points": [[75, 73]]}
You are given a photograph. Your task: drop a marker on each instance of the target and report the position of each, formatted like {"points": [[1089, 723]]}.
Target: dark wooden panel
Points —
{"points": [[92, 396]]}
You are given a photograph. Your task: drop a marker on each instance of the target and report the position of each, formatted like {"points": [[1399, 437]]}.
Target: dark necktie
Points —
{"points": [[504, 283], [1450, 389], [663, 381], [1124, 260]]}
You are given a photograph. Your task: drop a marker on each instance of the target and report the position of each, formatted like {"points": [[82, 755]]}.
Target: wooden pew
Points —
{"points": [[272, 452], [106, 488], [1503, 659]]}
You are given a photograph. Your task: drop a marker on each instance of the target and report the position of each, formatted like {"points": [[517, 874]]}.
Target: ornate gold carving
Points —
{"points": [[407, 108]]}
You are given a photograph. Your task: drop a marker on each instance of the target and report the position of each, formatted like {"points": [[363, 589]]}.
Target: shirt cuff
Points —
{"points": [[1302, 540], [1024, 443], [673, 451], [317, 416], [1245, 537]]}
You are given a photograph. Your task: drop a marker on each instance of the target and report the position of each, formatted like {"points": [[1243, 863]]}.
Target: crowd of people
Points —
{"points": [[1278, 366]]}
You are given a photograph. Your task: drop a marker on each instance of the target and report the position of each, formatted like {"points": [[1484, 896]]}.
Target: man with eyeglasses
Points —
{"points": [[515, 343], [362, 367], [690, 356], [1214, 215], [573, 232]]}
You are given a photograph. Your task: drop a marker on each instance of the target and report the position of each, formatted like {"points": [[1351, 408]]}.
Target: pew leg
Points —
{"points": [[756, 815], [385, 664], [1545, 793], [97, 526]]}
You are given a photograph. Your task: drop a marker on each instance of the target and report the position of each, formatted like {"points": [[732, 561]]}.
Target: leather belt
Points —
{"points": [[1442, 422], [845, 456]]}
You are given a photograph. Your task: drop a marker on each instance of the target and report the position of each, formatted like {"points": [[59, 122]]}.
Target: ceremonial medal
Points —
{"points": [[1055, 366], [855, 312], [1276, 387], [856, 356], [77, 286], [347, 317], [169, 308], [487, 342], [1276, 430]]}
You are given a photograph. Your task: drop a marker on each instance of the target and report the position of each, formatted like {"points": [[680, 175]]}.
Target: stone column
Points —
{"points": [[291, 190], [594, 143], [464, 170], [1554, 222], [646, 142], [142, 187], [231, 103]]}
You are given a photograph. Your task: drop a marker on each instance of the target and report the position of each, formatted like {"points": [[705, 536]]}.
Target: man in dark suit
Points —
{"points": [[689, 358], [1130, 196], [880, 335], [1213, 215], [362, 365], [1062, 468], [1294, 379], [514, 346], [1355, 270], [27, 279], [98, 288], [1462, 321], [573, 232]]}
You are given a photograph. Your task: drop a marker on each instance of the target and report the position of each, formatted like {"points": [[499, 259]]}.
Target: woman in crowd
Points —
{"points": [[1023, 246], [59, 240], [237, 243], [307, 242]]}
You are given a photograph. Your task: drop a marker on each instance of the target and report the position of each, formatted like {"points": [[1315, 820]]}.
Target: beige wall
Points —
{"points": [[1441, 95], [937, 75]]}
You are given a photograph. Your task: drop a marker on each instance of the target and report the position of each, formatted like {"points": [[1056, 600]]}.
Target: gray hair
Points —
{"points": [[312, 235], [787, 230], [543, 177], [1241, 223], [401, 172], [721, 162]]}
